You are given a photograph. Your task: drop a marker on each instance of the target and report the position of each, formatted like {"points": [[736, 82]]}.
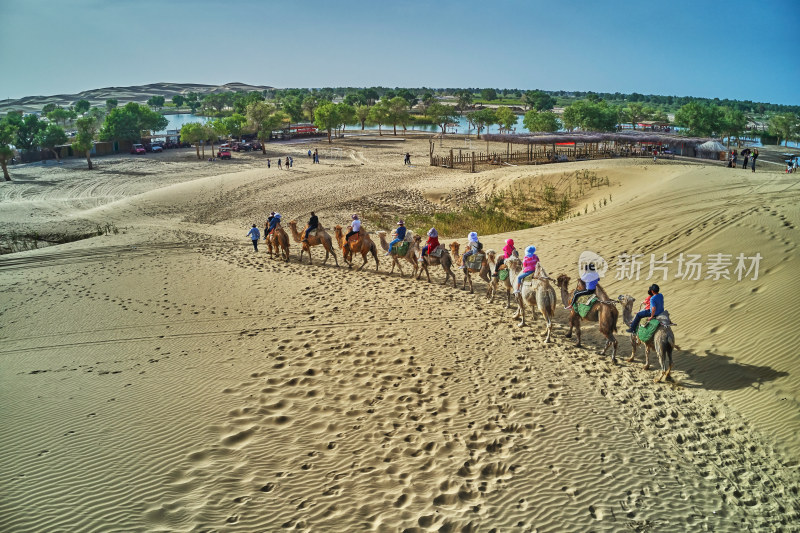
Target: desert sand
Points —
{"points": [[168, 378]]}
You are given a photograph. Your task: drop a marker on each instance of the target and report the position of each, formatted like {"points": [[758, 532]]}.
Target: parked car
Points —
{"points": [[138, 149], [224, 153], [157, 147]]}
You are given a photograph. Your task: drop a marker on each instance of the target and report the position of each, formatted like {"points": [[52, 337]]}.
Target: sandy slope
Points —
{"points": [[170, 379]]}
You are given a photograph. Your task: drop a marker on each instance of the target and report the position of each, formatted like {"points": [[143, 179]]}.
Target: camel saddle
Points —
{"points": [[354, 238], [584, 304], [475, 261], [401, 248], [438, 251], [648, 329], [313, 232], [502, 274]]}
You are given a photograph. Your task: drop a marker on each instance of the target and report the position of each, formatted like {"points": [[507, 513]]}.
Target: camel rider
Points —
{"points": [[313, 223], [430, 245], [399, 235], [355, 227], [276, 218], [473, 247], [656, 307], [529, 265], [590, 277], [269, 221], [508, 251]]}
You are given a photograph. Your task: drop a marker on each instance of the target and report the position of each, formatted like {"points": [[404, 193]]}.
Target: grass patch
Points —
{"points": [[525, 205], [23, 241]]}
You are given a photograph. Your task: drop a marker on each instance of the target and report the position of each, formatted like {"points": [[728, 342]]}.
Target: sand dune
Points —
{"points": [[135, 93], [168, 378]]}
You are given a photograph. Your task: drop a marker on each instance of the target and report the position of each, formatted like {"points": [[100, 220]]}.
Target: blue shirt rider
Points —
{"points": [[400, 234], [656, 307]]}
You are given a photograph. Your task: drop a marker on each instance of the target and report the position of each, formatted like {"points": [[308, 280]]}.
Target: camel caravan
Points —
{"points": [[524, 280]]}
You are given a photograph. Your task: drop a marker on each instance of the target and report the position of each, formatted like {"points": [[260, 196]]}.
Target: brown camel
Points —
{"points": [[539, 294], [321, 237], [603, 311], [280, 241], [663, 341], [494, 281], [409, 256], [362, 244], [424, 262], [483, 271]]}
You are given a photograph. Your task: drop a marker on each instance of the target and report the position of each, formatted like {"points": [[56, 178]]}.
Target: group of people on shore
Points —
{"points": [[289, 163], [749, 155]]}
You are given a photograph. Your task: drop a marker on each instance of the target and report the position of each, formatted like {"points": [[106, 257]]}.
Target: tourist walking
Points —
{"points": [[291, 162], [268, 164], [287, 162], [279, 164], [753, 159], [254, 235], [746, 155]]}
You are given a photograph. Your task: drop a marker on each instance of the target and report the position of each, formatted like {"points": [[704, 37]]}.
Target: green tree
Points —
{"points": [[292, 106], [362, 114], [178, 100], [111, 103], [50, 137], [700, 119], [47, 108], [346, 113], [732, 124], [355, 98], [541, 121], [482, 118], [326, 117], [441, 115], [88, 127], [128, 122], [28, 127], [193, 133], [81, 106], [156, 102], [379, 114], [235, 125], [8, 135], [591, 116], [408, 96], [397, 111], [309, 105], [61, 115], [427, 100], [489, 94], [192, 100], [275, 121], [464, 99], [214, 130], [784, 127], [539, 100], [506, 118], [634, 112]]}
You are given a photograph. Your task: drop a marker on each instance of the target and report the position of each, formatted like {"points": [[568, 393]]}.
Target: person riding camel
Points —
{"points": [[269, 221], [313, 223], [430, 245], [654, 307], [473, 246], [590, 278], [355, 227], [399, 235], [508, 251], [528, 266], [276, 219]]}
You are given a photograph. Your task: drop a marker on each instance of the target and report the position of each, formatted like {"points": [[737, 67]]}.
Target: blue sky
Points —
{"points": [[732, 49]]}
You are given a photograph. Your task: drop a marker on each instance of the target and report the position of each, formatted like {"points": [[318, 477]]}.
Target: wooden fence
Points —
{"points": [[536, 154]]}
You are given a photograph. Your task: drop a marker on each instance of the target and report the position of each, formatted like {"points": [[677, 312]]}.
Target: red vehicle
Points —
{"points": [[224, 153], [138, 149]]}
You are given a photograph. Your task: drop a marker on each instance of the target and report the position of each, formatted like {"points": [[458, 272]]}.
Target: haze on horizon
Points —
{"points": [[743, 51]]}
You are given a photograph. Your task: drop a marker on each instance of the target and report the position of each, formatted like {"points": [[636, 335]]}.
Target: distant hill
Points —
{"points": [[136, 93]]}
